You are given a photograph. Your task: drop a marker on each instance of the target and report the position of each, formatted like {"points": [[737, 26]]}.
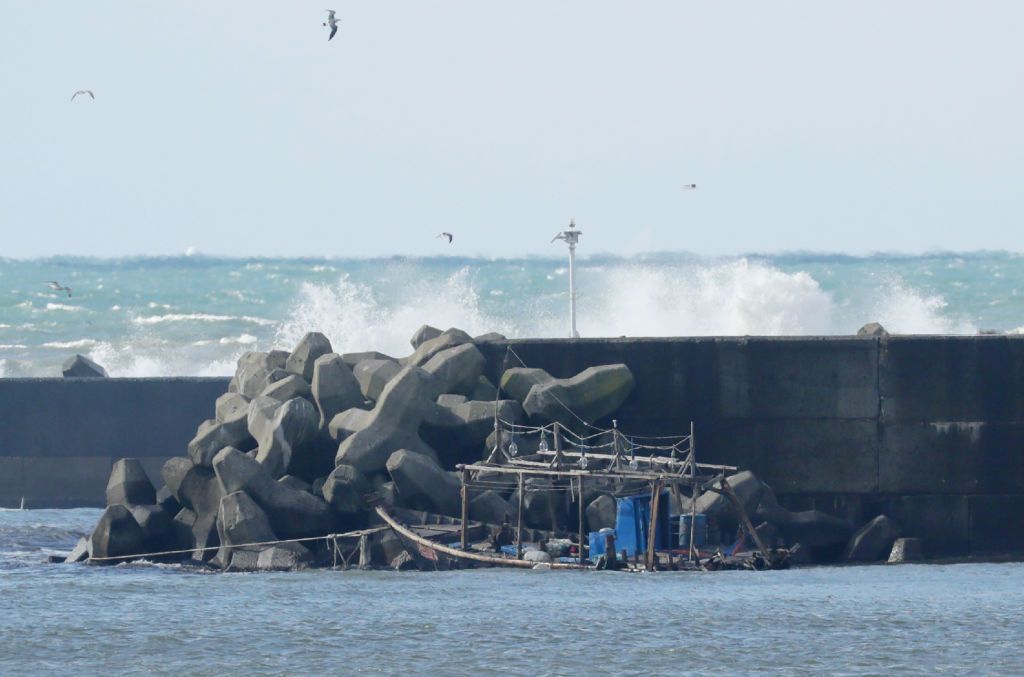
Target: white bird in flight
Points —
{"points": [[447, 235], [332, 22], [690, 186], [83, 91], [57, 286]]}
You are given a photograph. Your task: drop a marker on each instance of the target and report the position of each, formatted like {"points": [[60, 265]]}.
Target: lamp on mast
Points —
{"points": [[571, 237]]}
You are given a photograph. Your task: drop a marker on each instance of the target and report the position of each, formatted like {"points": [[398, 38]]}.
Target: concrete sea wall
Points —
{"points": [[928, 430], [60, 437]]}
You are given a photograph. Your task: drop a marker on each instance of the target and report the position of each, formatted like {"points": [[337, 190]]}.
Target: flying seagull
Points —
{"points": [[83, 91], [690, 186], [332, 22], [57, 286], [447, 235]]}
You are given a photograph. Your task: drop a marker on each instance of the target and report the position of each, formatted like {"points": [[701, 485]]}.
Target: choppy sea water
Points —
{"points": [[195, 315], [134, 619]]}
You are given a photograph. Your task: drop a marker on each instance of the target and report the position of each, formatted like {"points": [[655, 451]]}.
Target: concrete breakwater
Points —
{"points": [[927, 430]]}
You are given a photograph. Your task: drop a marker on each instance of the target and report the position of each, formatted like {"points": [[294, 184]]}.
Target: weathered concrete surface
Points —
{"points": [[58, 436], [962, 457], [129, 484], [926, 430]]}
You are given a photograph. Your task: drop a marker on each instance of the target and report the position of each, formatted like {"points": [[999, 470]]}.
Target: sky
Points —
{"points": [[236, 128]]}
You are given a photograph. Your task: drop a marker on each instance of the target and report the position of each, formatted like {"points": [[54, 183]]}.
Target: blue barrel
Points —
{"points": [[700, 533], [597, 542]]}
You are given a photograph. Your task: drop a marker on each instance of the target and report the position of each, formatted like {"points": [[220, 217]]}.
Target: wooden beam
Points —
{"points": [[465, 508], [653, 525], [364, 552], [654, 460], [542, 472], [519, 520], [744, 519], [557, 460], [580, 512]]}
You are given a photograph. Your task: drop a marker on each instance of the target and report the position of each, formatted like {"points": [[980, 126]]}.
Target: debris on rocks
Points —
{"points": [[872, 541], [906, 550]]}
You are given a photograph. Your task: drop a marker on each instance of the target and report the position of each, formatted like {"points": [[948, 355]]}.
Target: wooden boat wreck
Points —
{"points": [[652, 469]]}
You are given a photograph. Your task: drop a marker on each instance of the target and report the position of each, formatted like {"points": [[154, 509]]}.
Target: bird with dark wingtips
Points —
{"points": [[447, 235], [690, 186], [84, 91], [332, 22], [57, 286]]}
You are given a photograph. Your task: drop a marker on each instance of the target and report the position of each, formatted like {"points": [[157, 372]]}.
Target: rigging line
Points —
{"points": [[580, 439], [555, 397], [520, 426], [577, 416], [232, 547], [658, 437], [672, 447]]}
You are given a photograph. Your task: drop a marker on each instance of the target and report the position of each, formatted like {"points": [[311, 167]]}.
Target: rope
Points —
{"points": [[555, 397], [348, 534], [580, 439], [518, 426]]}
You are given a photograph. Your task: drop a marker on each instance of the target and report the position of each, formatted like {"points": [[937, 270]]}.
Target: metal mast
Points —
{"points": [[571, 237]]}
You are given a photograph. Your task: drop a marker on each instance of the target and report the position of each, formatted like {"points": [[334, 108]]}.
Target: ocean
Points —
{"points": [[144, 619], [194, 315]]}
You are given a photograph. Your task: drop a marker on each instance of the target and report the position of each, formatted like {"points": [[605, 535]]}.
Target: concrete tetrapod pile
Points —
{"points": [[822, 537], [303, 439]]}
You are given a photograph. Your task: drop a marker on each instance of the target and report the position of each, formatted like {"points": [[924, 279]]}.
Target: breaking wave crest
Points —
{"points": [[199, 317], [197, 329], [732, 298], [356, 316]]}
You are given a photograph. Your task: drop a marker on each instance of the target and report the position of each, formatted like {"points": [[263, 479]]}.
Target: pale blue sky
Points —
{"points": [[236, 128]]}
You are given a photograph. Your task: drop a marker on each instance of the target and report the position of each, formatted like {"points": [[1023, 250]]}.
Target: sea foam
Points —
{"points": [[179, 319]]}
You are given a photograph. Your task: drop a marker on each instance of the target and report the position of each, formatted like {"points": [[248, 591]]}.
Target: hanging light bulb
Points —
{"points": [[513, 448], [633, 465], [583, 457], [543, 444]]}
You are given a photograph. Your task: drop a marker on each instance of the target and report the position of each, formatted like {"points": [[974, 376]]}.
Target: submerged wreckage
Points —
{"points": [[320, 459]]}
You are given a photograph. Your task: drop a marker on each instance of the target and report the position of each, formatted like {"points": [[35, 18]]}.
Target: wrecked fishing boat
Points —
{"points": [[647, 476]]}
